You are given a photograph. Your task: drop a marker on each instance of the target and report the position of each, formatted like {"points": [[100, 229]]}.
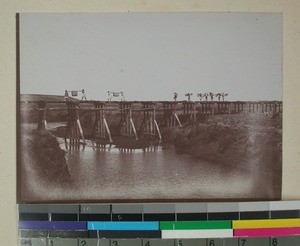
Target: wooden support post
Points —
{"points": [[127, 126], [194, 105], [272, 110], [155, 125], [229, 108], [74, 130], [133, 128], [107, 130], [170, 117], [280, 107], [207, 110], [157, 129], [101, 132], [201, 107], [167, 119], [265, 107], [42, 124], [189, 109], [178, 121], [149, 126]]}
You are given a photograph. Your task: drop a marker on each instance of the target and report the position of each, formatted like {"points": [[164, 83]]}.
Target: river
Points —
{"points": [[164, 173], [160, 174]]}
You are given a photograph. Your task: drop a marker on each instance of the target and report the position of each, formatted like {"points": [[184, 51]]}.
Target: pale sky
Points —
{"points": [[149, 56]]}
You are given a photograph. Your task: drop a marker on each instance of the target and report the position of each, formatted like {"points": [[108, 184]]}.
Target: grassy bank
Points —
{"points": [[40, 151], [231, 139]]}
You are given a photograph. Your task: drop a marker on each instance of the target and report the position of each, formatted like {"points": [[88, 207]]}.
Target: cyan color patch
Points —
{"points": [[139, 226]]}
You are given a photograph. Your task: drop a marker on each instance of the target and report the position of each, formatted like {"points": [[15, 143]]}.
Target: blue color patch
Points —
{"points": [[52, 225], [129, 226]]}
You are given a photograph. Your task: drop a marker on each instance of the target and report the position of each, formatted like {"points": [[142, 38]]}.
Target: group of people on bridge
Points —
{"points": [[204, 96], [110, 94]]}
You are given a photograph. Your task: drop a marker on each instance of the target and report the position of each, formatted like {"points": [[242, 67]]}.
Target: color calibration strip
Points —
{"points": [[173, 230], [209, 224]]}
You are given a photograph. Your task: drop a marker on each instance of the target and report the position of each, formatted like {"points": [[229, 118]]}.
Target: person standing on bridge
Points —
{"points": [[83, 97], [189, 96], [108, 96], [211, 96], [205, 96], [200, 95], [224, 95], [175, 96]]}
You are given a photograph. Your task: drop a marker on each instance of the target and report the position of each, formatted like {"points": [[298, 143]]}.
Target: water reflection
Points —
{"points": [[162, 173], [157, 172]]}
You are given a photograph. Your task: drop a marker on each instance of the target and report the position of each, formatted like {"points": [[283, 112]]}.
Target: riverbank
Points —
{"points": [[220, 157], [230, 139], [41, 160]]}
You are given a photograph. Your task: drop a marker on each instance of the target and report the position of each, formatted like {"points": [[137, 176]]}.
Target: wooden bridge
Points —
{"points": [[150, 116]]}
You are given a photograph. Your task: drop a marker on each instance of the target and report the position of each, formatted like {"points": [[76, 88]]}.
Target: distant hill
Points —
{"points": [[41, 97]]}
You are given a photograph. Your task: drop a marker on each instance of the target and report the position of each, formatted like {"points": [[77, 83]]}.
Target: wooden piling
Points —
{"points": [[74, 130], [42, 124]]}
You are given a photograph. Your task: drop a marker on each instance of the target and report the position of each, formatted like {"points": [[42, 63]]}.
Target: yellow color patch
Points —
{"points": [[271, 223]]}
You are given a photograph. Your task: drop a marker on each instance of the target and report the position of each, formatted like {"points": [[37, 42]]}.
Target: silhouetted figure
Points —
{"points": [[205, 95], [211, 96], [200, 96], [175, 96], [223, 95], [189, 96], [83, 97]]}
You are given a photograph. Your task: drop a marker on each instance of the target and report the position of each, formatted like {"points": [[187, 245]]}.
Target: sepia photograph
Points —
{"points": [[149, 107]]}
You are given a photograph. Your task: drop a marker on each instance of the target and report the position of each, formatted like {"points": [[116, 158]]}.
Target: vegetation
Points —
{"points": [[234, 139], [41, 150]]}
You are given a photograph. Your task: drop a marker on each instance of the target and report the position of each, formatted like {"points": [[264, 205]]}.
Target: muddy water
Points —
{"points": [[163, 173], [160, 174]]}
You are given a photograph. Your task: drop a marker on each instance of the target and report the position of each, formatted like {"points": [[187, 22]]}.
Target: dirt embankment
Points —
{"points": [[232, 139], [43, 157]]}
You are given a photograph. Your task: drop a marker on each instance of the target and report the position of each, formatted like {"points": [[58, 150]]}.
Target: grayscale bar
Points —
{"points": [[40, 208], [159, 208]]}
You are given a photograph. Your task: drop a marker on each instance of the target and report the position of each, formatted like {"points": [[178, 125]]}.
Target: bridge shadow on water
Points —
{"points": [[128, 144], [124, 144]]}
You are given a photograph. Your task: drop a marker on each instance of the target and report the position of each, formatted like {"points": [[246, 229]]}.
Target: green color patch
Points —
{"points": [[190, 225]]}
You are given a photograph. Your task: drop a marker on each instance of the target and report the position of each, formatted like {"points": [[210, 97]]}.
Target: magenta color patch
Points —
{"points": [[266, 232]]}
